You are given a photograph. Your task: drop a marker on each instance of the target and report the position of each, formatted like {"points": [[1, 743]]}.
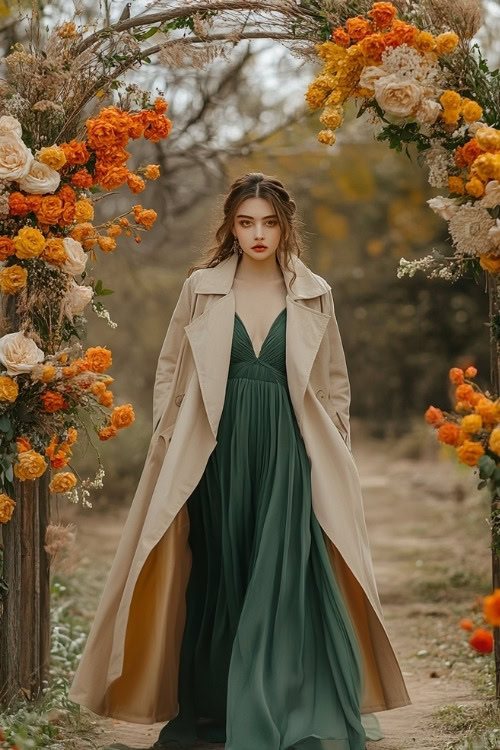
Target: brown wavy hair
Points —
{"points": [[256, 185]]}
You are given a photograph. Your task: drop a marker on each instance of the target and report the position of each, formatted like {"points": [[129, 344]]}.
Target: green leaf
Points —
{"points": [[147, 34], [5, 423], [9, 474], [486, 467]]}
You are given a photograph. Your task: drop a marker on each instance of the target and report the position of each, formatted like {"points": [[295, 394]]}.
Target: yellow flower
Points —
{"points": [[62, 482], [327, 137], [494, 441], [456, 185], [469, 452], [6, 507], [485, 166], [471, 111], [450, 115], [29, 243], [114, 230], [84, 211], [9, 389], [48, 373], [107, 244], [424, 42], [475, 187], [331, 117], [492, 265], [12, 279], [30, 465], [450, 99], [152, 171], [471, 423], [488, 138], [446, 42], [53, 156]]}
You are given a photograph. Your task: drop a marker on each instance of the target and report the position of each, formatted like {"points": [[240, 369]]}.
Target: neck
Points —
{"points": [[258, 270]]}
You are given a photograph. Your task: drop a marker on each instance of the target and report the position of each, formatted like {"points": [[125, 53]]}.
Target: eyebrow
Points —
{"points": [[243, 216]]}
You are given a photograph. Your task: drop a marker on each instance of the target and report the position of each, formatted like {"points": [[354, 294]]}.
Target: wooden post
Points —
{"points": [[494, 380]]}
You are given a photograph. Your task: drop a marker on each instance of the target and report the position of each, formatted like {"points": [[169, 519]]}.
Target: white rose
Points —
{"points": [[428, 111], [15, 157], [494, 235], [398, 96], [10, 124], [369, 75], [491, 197], [18, 353], [443, 207], [77, 257], [40, 179], [76, 299]]}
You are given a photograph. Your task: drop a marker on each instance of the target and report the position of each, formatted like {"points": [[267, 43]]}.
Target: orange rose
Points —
{"points": [[107, 244], [33, 203], [106, 399], [487, 409], [59, 460], [383, 14], [434, 416], [448, 433], [23, 444], [463, 392], [471, 372], [471, 150], [470, 452], [401, 33], [107, 432], [76, 152], [66, 194], [82, 179], [341, 37], [160, 105], [136, 125], [6, 247], [53, 401], [152, 171], [17, 204], [122, 416], [146, 217], [373, 45], [358, 27], [68, 214], [466, 624], [491, 608], [482, 640], [50, 210], [135, 183], [459, 157], [110, 178], [101, 133], [456, 375], [54, 251], [98, 358], [158, 129]]}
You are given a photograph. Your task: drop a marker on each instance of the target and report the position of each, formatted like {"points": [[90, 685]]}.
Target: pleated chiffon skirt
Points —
{"points": [[269, 657]]}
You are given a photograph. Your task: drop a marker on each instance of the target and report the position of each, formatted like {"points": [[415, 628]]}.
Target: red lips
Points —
{"points": [[259, 247]]}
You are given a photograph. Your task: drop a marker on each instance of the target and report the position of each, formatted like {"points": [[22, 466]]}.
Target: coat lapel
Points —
{"points": [[210, 334]]}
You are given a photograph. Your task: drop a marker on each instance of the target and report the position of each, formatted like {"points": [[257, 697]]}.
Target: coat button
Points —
{"points": [[320, 394], [178, 399]]}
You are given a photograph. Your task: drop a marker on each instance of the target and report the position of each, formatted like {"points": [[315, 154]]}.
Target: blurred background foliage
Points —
{"points": [[363, 207]]}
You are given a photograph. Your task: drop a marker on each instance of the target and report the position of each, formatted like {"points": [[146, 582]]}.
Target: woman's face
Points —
{"points": [[256, 224]]}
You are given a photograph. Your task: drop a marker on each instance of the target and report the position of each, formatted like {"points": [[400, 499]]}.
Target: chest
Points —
{"points": [[258, 307]]}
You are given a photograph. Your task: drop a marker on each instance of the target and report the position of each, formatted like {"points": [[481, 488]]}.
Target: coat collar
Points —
{"points": [[219, 279]]}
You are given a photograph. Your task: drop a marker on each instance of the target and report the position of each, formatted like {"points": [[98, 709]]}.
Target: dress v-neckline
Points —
{"points": [[257, 356]]}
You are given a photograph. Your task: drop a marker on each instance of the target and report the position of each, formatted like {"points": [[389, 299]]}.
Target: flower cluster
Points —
{"points": [[473, 428], [47, 237], [388, 63], [482, 638]]}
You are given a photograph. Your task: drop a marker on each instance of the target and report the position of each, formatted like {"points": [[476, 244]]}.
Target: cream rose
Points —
{"points": [[77, 257], [18, 353], [398, 96], [76, 299], [494, 234], [369, 75], [491, 197], [10, 124], [40, 179], [428, 112], [15, 157], [443, 207]]}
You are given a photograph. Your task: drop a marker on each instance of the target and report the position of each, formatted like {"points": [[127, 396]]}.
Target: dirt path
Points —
{"points": [[422, 519]]}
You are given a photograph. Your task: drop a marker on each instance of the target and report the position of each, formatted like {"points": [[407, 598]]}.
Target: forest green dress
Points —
{"points": [[269, 657]]}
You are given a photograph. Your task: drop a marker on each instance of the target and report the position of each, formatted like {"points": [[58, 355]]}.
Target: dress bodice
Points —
{"points": [[270, 364]]}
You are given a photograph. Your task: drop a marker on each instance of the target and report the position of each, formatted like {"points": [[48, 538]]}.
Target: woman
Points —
{"points": [[241, 606]]}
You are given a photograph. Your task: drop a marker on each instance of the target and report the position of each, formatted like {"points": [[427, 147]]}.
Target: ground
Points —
{"points": [[429, 541]]}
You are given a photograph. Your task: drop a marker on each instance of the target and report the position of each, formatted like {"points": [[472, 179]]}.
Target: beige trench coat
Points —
{"points": [[129, 667]]}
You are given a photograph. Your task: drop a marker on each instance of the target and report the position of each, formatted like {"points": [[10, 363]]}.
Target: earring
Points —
{"points": [[236, 247]]}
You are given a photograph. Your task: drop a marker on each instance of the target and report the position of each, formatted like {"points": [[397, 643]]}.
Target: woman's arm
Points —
{"points": [[340, 389], [170, 351]]}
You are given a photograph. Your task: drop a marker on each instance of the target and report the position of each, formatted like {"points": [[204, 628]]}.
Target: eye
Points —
{"points": [[272, 222], [244, 222]]}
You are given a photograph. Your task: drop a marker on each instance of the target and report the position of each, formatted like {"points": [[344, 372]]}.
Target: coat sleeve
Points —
{"points": [[170, 351], [339, 396]]}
